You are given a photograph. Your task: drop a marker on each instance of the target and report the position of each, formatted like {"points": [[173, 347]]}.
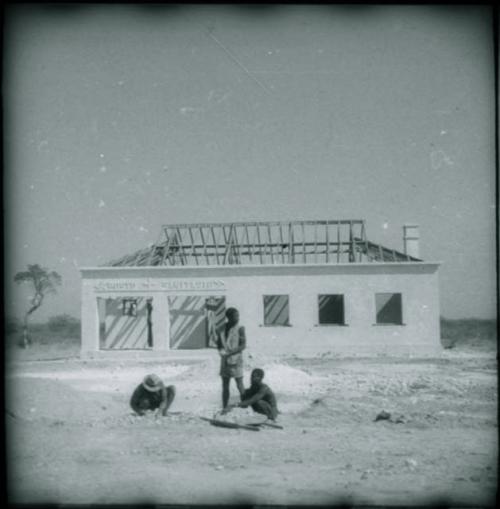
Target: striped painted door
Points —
{"points": [[188, 322], [125, 324]]}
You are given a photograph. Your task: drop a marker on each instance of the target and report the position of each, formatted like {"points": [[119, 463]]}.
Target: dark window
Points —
{"points": [[389, 308], [129, 307], [276, 310], [331, 309]]}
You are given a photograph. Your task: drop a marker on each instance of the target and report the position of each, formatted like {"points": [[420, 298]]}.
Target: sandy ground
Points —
{"points": [[71, 437]]}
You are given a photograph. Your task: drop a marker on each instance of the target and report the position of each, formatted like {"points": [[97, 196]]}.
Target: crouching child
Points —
{"points": [[259, 396], [152, 394]]}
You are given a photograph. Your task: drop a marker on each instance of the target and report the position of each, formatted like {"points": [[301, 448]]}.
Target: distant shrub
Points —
{"points": [[468, 332], [64, 323]]}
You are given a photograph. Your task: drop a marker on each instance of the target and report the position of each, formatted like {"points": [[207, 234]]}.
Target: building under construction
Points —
{"points": [[302, 287]]}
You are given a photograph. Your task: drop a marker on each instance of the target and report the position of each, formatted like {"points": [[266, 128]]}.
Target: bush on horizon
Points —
{"points": [[57, 328], [64, 323], [468, 332]]}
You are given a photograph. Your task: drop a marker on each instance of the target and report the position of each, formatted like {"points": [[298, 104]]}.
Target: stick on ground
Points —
{"points": [[232, 425], [270, 424]]}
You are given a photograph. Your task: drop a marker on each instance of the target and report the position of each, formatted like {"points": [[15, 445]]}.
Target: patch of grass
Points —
{"points": [[468, 332]]}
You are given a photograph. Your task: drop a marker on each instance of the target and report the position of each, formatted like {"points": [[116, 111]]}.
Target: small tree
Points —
{"points": [[43, 283]]}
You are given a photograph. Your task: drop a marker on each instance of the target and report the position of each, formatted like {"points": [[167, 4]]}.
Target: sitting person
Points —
{"points": [[152, 394], [259, 396]]}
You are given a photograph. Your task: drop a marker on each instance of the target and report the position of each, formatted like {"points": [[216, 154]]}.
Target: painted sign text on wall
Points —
{"points": [[170, 285]]}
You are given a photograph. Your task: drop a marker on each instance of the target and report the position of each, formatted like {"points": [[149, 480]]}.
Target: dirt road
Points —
{"points": [[72, 439]]}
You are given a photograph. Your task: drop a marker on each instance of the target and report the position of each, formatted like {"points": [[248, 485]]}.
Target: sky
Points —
{"points": [[121, 118]]}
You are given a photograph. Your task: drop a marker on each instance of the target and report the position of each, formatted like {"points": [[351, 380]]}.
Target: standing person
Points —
{"points": [[260, 396], [152, 394], [231, 342]]}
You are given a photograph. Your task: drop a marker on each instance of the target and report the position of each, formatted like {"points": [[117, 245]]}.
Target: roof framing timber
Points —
{"points": [[285, 242]]}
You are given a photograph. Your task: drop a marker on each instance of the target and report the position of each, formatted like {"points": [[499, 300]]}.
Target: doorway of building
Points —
{"points": [[125, 323], [193, 321]]}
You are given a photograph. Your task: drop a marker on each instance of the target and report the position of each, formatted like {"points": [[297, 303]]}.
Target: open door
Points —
{"points": [[187, 322], [194, 320]]}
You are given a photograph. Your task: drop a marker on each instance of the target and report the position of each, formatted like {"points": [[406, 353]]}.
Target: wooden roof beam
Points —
{"points": [[204, 245], [265, 223], [216, 245], [315, 243], [338, 242], [229, 241], [303, 242], [270, 245], [260, 243], [167, 247], [282, 244], [248, 242], [327, 243], [193, 253]]}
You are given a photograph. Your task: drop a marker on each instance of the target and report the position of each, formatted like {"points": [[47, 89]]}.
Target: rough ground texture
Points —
{"points": [[72, 439]]}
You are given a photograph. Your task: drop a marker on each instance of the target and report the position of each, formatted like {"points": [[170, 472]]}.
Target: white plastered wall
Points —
{"points": [[244, 287]]}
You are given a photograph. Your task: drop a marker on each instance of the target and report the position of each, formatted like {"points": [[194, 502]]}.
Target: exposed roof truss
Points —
{"points": [[262, 243]]}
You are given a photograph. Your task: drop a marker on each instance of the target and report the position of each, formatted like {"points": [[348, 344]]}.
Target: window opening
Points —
{"points": [[331, 309], [129, 307], [389, 308], [276, 310]]}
